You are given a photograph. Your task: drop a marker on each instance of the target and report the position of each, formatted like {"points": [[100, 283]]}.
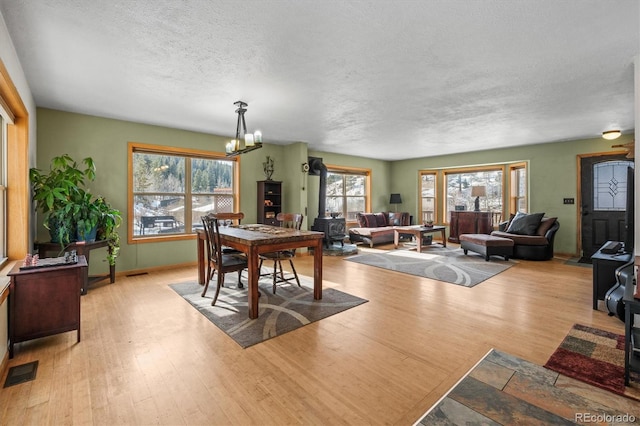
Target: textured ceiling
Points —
{"points": [[388, 79]]}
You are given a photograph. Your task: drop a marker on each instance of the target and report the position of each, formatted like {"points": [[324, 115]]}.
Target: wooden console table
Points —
{"points": [[44, 301], [469, 222], [82, 248]]}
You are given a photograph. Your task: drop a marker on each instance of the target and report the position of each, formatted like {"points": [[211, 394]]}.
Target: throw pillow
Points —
{"points": [[367, 220], [381, 220], [525, 224], [545, 225]]}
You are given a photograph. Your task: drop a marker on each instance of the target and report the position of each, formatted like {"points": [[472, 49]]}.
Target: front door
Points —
{"points": [[603, 180]]}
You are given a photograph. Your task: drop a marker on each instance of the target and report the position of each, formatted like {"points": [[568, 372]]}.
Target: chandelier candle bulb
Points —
{"points": [[258, 136], [248, 139]]}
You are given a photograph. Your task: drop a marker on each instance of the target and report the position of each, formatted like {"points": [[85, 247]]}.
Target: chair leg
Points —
{"points": [[220, 284], [275, 275], [240, 285], [209, 277], [295, 274]]}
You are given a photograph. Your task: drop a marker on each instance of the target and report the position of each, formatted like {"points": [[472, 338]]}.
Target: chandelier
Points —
{"points": [[244, 142]]}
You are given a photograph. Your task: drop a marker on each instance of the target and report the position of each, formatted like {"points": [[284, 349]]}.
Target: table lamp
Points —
{"points": [[395, 199], [478, 191]]}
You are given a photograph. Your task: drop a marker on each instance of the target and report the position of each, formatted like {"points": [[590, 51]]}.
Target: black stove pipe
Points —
{"points": [[317, 168]]}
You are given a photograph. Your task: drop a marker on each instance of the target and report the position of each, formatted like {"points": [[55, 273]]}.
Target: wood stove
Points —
{"points": [[334, 228]]}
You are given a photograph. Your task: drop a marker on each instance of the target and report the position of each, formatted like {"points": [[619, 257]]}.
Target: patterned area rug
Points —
{"points": [[439, 263], [596, 357], [502, 389], [290, 308]]}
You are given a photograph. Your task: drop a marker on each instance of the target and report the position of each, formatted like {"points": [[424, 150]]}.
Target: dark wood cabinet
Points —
{"points": [[466, 222], [269, 201], [44, 301], [82, 248]]}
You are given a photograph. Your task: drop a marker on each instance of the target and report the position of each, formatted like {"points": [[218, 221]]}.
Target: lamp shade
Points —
{"points": [[478, 191], [395, 199]]}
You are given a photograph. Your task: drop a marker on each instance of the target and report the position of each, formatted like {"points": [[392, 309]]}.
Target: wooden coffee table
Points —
{"points": [[418, 232]]}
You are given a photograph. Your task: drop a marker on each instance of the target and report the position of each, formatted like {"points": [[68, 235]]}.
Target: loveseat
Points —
{"points": [[532, 235], [377, 228]]}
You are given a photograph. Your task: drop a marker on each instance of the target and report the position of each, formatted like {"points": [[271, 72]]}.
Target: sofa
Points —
{"points": [[377, 228], [532, 235]]}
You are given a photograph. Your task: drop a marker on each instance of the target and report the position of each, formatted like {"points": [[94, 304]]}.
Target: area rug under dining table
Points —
{"points": [[290, 308], [450, 265]]}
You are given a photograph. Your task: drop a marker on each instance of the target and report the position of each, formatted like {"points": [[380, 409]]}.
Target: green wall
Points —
{"points": [[106, 141], [552, 171], [553, 175]]}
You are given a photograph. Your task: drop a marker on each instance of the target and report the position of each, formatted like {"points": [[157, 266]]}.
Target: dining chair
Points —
{"points": [[221, 262], [230, 219], [286, 220]]}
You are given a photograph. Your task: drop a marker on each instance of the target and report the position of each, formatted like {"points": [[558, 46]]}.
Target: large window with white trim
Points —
{"points": [[170, 189]]}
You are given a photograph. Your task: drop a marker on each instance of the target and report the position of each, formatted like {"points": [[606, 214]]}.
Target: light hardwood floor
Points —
{"points": [[148, 357]]}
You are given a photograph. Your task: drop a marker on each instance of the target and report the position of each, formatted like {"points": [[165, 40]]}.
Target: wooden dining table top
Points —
{"points": [[258, 234]]}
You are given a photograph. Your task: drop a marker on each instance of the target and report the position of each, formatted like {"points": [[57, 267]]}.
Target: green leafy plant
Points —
{"points": [[69, 209], [58, 191]]}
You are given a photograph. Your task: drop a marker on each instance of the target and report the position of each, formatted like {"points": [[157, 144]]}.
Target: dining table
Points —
{"points": [[255, 239]]}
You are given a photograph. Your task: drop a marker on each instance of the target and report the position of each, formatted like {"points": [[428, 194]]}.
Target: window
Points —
{"points": [[347, 192], [172, 188], [518, 184], [459, 186], [428, 196], [5, 120], [610, 185]]}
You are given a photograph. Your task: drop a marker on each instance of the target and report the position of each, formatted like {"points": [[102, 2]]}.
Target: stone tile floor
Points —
{"points": [[505, 390]]}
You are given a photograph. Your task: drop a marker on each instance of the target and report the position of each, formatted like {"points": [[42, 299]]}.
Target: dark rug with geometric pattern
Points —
{"points": [[290, 308], [502, 389], [596, 357]]}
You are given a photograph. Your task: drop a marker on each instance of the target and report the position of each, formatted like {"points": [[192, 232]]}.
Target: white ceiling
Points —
{"points": [[387, 79]]}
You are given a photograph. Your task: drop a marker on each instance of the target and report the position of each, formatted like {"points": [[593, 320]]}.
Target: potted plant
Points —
{"points": [[59, 191], [108, 223], [86, 214]]}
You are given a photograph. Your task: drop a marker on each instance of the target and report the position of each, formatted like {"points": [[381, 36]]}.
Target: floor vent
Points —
{"points": [[21, 373]]}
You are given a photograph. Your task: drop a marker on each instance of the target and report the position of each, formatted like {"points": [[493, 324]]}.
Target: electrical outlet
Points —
{"points": [[568, 201]]}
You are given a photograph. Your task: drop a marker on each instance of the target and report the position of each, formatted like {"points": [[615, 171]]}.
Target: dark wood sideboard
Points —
{"points": [[44, 301], [469, 222]]}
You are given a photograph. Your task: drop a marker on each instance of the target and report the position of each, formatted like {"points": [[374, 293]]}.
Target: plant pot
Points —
{"points": [[88, 237]]}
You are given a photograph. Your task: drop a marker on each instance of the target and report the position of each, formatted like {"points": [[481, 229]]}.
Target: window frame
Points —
{"points": [[421, 209], [472, 169], [135, 147], [353, 171], [514, 180]]}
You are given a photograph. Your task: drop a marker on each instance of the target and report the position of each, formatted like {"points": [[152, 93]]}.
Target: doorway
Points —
{"points": [[603, 188]]}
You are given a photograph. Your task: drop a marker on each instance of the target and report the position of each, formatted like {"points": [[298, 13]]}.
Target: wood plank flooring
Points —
{"points": [[148, 357]]}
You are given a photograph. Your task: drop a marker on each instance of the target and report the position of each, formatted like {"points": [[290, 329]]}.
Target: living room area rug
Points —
{"points": [[596, 357], [438, 263], [290, 308], [502, 389]]}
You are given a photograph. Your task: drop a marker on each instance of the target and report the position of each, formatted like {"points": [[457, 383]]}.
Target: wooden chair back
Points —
{"points": [[290, 220], [212, 238], [235, 218]]}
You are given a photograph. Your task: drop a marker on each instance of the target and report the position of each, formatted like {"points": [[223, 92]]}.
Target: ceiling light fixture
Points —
{"points": [[611, 134], [244, 142]]}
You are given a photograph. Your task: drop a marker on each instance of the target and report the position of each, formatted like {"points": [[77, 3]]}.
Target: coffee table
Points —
{"points": [[418, 232]]}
